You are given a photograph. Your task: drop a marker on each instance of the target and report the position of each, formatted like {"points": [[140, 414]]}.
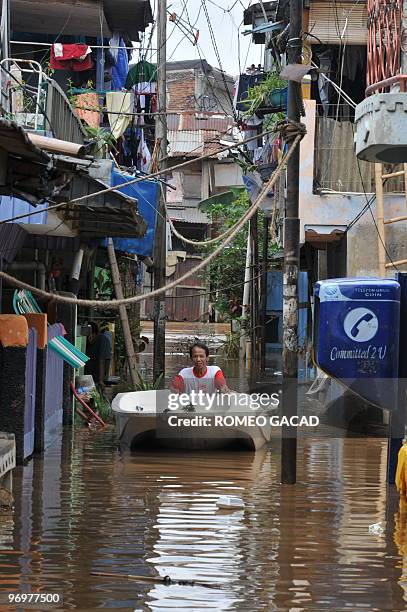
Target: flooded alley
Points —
{"points": [[84, 508]]}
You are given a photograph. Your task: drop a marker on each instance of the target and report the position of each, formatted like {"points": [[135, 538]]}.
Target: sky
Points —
{"points": [[227, 27]]}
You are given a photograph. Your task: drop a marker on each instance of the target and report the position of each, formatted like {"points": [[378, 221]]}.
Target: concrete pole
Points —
{"points": [[378, 171], [160, 243], [246, 295], [291, 262], [128, 341]]}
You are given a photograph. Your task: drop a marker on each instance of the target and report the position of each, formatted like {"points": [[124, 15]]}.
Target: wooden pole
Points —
{"points": [[128, 342], [378, 171], [160, 243]]}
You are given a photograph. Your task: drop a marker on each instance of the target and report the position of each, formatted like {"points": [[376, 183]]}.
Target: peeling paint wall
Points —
{"points": [[338, 209]]}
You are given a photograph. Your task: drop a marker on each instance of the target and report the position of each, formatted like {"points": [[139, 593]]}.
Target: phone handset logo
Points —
{"points": [[361, 324]]}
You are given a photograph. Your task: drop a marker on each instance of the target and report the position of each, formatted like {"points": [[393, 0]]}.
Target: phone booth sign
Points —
{"points": [[356, 334]]}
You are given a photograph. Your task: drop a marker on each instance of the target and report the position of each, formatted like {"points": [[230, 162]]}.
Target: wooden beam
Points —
{"points": [[400, 262], [393, 174], [395, 219]]}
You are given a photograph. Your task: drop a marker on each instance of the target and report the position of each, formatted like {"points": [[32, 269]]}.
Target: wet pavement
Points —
{"points": [[85, 508]]}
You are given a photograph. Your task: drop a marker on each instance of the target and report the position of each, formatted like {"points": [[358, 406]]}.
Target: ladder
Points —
{"points": [[381, 221]]}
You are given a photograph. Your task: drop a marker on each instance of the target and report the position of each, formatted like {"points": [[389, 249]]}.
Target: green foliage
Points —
{"points": [[102, 406], [230, 347], [102, 139], [147, 385], [225, 274], [258, 94], [102, 283]]}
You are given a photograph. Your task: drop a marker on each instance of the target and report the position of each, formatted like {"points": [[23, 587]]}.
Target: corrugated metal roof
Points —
{"points": [[193, 143], [69, 17], [15, 141], [12, 237], [185, 142], [188, 215], [328, 22]]}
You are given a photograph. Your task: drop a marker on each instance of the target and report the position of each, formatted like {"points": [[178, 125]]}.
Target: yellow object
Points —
{"points": [[401, 472], [306, 87]]}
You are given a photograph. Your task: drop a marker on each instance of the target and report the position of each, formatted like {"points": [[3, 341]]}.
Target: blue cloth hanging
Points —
{"points": [[121, 69]]}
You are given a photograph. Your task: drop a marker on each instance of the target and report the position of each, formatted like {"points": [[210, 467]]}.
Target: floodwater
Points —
{"points": [[85, 508]]}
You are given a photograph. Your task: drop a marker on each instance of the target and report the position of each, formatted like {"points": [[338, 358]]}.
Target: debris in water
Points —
{"points": [[376, 529], [229, 501]]}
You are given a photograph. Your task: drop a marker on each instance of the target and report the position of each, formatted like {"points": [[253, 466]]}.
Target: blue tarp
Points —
{"points": [[147, 194]]}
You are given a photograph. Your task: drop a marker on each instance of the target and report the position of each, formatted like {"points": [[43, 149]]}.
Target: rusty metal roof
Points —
{"points": [[109, 214], [188, 215], [15, 141]]}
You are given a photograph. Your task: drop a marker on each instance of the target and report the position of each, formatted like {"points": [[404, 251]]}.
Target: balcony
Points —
{"points": [[37, 103]]}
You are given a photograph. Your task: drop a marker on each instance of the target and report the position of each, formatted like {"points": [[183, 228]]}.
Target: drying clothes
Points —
{"points": [[142, 72], [119, 102], [121, 68], [143, 155], [71, 57], [142, 78]]}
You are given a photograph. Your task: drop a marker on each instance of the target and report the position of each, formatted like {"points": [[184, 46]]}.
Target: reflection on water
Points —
{"points": [[84, 508]]}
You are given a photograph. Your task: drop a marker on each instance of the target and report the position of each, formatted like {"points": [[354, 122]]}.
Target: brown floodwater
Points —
{"points": [[83, 508]]}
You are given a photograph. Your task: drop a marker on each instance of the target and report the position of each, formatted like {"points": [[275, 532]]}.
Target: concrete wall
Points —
{"points": [[340, 209]]}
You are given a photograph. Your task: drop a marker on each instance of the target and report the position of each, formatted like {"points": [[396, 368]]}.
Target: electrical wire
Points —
{"points": [[295, 137], [138, 179]]}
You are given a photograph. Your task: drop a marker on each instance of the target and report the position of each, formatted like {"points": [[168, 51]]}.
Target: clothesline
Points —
{"points": [[45, 44]]}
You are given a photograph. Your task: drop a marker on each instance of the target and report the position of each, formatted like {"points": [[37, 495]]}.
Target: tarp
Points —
{"points": [[147, 194]]}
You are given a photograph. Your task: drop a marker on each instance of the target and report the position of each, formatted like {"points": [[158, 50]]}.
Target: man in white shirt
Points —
{"points": [[201, 377]]}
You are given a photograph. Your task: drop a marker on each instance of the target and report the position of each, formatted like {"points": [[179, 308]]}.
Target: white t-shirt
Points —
{"points": [[187, 381]]}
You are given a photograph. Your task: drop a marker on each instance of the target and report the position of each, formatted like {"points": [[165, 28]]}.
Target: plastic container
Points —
{"points": [[230, 501]]}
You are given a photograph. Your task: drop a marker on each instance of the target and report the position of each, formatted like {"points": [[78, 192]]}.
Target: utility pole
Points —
{"points": [[291, 262], [160, 243]]}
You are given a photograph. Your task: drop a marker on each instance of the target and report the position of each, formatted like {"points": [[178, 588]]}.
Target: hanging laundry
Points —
{"points": [[121, 68], [143, 155], [118, 102], [142, 78], [71, 57]]}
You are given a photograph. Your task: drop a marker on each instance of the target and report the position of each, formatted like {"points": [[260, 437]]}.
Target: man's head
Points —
{"points": [[94, 329], [199, 354]]}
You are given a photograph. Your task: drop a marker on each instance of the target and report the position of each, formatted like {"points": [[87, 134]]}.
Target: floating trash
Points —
{"points": [[376, 529], [229, 501]]}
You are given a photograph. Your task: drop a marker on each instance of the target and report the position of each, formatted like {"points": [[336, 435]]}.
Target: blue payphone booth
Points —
{"points": [[356, 335]]}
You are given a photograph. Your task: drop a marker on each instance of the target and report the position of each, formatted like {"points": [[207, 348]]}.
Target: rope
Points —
{"points": [[145, 177], [139, 298], [289, 130]]}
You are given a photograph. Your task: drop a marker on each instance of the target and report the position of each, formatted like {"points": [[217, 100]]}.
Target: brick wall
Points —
{"points": [[181, 88]]}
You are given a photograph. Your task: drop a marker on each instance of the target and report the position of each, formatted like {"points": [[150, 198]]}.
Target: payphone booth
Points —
{"points": [[356, 335]]}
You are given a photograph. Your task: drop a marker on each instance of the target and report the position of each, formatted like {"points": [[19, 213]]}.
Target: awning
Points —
{"points": [[16, 142], [130, 16], [321, 234], [70, 17], [111, 214]]}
